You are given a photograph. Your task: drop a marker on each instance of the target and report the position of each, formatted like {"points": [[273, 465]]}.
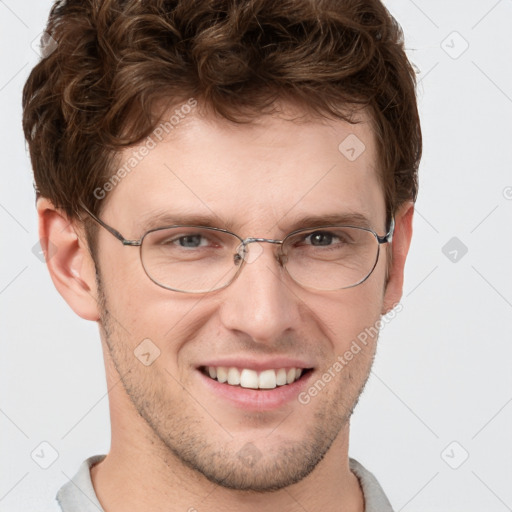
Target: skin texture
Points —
{"points": [[175, 443]]}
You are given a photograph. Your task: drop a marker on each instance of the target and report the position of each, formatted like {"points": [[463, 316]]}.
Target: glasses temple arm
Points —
{"points": [[101, 223]]}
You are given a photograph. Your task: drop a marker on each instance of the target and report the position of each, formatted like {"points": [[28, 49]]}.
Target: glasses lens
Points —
{"points": [[331, 258], [190, 259]]}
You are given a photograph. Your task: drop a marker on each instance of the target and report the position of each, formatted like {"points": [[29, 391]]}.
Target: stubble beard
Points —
{"points": [[185, 438]]}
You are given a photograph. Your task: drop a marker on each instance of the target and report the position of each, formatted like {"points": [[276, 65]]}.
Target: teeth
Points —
{"points": [[233, 376], [267, 379], [222, 373], [249, 379], [281, 377]]}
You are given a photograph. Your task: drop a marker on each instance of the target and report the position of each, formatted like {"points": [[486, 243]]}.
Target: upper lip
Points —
{"points": [[260, 365]]}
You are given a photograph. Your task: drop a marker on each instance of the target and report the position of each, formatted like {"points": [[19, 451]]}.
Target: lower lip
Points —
{"points": [[257, 399]]}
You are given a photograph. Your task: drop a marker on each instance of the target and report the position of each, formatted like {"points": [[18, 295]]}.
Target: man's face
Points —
{"points": [[257, 180]]}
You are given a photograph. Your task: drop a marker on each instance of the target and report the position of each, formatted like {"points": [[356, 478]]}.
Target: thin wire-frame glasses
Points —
{"points": [[200, 259]]}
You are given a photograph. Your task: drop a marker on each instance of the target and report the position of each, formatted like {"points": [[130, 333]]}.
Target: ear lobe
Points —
{"points": [[399, 250], [68, 259]]}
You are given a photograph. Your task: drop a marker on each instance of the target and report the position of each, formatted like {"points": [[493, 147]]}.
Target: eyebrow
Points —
{"points": [[333, 219], [157, 219], [160, 218]]}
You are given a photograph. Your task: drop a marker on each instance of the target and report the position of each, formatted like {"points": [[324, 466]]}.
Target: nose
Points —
{"points": [[262, 301]]}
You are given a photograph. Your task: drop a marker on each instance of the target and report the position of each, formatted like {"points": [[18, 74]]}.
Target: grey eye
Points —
{"points": [[321, 238], [190, 241]]}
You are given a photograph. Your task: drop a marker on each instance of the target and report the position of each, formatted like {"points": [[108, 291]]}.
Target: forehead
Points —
{"points": [[259, 175]]}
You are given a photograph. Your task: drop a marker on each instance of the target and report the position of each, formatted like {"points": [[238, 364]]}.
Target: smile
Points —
{"points": [[251, 379]]}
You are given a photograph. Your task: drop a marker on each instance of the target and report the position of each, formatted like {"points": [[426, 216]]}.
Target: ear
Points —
{"points": [[68, 259], [399, 249]]}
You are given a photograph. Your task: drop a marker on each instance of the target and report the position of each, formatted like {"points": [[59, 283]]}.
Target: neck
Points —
{"points": [[145, 476]]}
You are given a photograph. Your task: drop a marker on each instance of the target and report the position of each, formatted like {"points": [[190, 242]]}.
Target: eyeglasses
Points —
{"points": [[199, 259]]}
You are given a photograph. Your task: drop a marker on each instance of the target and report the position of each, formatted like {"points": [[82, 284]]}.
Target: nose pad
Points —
{"points": [[248, 254], [254, 252], [239, 256], [251, 254], [282, 259]]}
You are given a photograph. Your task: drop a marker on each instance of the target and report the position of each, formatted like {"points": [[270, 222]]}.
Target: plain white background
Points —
{"points": [[435, 421]]}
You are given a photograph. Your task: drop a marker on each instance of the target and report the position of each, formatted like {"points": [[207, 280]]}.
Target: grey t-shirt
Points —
{"points": [[78, 494]]}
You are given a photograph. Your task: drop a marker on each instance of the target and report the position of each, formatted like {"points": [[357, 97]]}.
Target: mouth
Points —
{"points": [[247, 378]]}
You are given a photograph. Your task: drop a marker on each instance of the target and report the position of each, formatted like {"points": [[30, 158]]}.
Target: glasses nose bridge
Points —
{"points": [[251, 240]]}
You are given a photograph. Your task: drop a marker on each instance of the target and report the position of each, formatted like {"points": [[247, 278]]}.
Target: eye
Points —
{"points": [[185, 241], [191, 241], [181, 239], [322, 239]]}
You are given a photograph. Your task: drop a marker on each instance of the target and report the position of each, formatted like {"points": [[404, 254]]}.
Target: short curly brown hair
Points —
{"points": [[115, 60]]}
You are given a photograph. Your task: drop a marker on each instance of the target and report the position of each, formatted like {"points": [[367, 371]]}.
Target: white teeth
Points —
{"points": [[222, 374], [249, 379], [281, 377], [267, 379], [233, 376]]}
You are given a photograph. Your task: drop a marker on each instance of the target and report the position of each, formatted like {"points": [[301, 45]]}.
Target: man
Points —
{"points": [[228, 188]]}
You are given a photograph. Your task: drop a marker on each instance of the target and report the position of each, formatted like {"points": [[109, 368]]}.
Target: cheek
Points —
{"points": [[168, 319], [350, 313], [130, 300]]}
